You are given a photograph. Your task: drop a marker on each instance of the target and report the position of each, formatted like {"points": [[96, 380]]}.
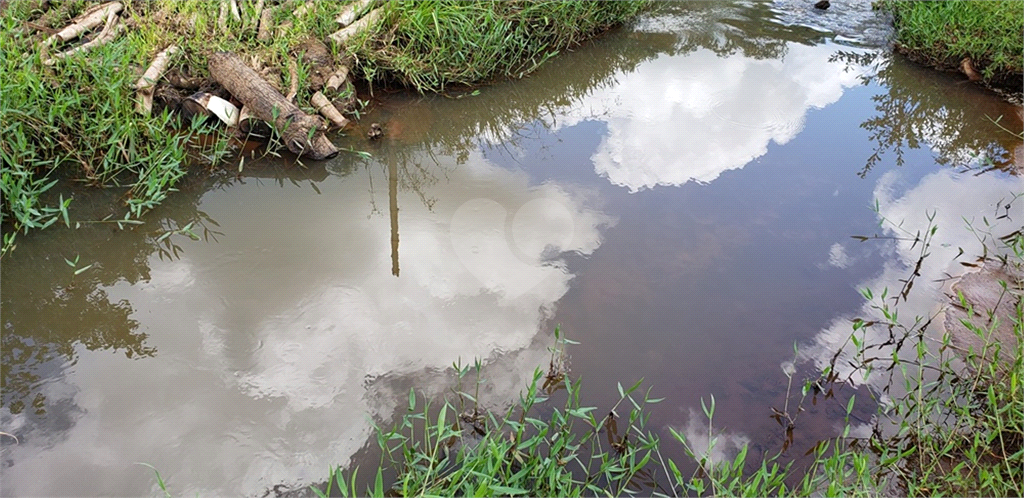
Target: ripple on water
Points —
{"points": [[852, 21]]}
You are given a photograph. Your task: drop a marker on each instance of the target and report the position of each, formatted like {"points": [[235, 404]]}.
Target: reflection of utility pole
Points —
{"points": [[393, 204]]}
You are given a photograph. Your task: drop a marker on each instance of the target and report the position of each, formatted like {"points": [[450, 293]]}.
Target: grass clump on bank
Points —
{"points": [[433, 44], [943, 33], [75, 120]]}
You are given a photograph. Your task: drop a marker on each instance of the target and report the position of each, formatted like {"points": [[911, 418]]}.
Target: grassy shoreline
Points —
{"points": [[945, 34], [74, 120]]}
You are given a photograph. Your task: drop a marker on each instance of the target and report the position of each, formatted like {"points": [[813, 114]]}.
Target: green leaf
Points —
{"points": [[507, 491], [378, 483]]}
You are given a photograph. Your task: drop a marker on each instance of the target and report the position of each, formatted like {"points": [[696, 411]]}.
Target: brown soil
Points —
{"points": [[994, 309]]}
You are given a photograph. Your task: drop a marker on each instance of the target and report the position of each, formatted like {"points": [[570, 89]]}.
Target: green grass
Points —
{"points": [[943, 33], [433, 44], [75, 121]]}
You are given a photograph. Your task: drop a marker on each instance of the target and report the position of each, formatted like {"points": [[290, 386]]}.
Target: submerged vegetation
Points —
{"points": [[75, 119], [956, 429], [944, 34]]}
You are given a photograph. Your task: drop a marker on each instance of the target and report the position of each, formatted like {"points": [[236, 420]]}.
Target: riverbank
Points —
{"points": [[80, 109], [982, 40]]}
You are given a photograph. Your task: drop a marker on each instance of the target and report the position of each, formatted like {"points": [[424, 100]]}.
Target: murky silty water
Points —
{"points": [[680, 196]]}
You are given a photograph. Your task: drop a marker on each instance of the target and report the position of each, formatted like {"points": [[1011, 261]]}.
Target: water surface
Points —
{"points": [[679, 196]]}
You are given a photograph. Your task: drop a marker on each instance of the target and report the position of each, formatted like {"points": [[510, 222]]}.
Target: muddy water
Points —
{"points": [[680, 196]]}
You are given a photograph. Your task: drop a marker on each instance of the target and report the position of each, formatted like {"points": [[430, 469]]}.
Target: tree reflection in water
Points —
{"points": [[916, 108]]}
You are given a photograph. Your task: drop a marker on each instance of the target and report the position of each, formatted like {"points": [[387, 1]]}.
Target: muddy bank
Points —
{"points": [[987, 299]]}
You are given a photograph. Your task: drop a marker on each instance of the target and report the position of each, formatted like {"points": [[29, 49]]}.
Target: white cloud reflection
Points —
{"points": [[693, 117], [951, 198], [286, 336], [706, 441]]}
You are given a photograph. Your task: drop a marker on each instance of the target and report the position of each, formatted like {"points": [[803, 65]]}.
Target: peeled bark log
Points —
{"points": [[340, 37], [302, 134], [266, 20], [205, 104], [338, 79], [147, 83], [354, 10], [88, 20], [110, 31], [326, 108]]}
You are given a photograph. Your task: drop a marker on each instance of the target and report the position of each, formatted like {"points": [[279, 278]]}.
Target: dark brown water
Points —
{"points": [[680, 196]]}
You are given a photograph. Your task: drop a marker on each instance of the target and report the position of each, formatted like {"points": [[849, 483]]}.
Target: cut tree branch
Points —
{"points": [[301, 133], [147, 83], [341, 36]]}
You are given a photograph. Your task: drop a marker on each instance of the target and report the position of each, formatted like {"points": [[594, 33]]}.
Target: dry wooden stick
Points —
{"points": [[301, 10], [293, 75], [88, 20], [341, 36], [354, 10], [258, 14], [110, 31], [335, 82], [222, 19], [147, 83], [266, 20], [326, 108]]}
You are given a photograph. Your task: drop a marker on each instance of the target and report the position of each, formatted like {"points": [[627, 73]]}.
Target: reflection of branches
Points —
{"points": [[56, 324], [918, 107], [47, 321]]}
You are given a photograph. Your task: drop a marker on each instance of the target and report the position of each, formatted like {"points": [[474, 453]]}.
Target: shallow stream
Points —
{"points": [[680, 195]]}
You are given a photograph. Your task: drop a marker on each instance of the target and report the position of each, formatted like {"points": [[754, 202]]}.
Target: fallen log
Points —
{"points": [[341, 36], [88, 20], [110, 31], [354, 10], [266, 20], [147, 83], [338, 79], [326, 108], [302, 134]]}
